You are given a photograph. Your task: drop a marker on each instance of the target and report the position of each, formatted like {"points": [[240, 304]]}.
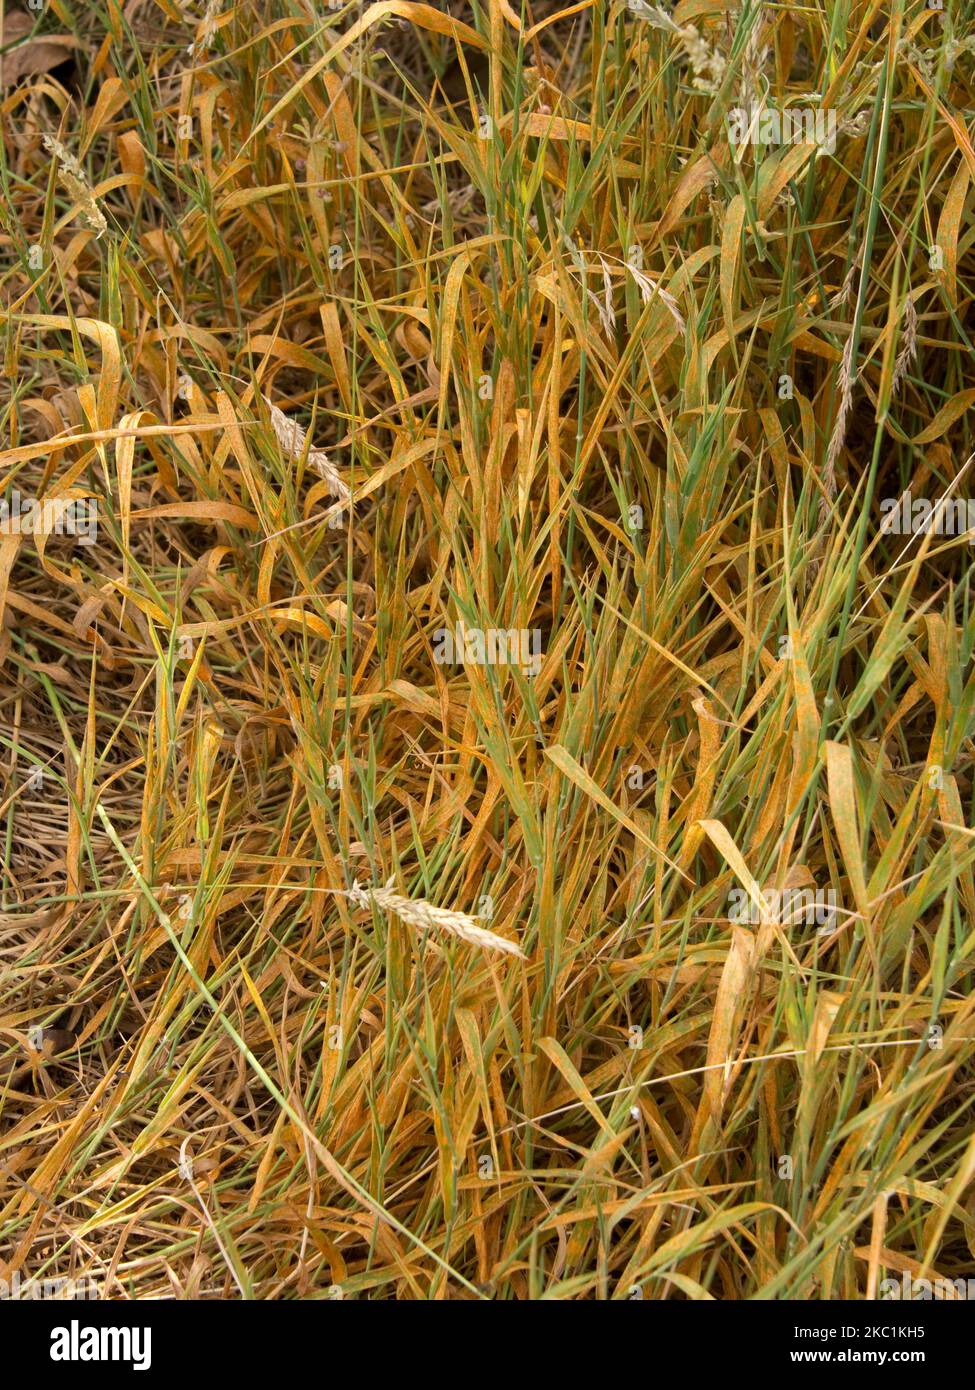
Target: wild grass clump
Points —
{"points": [[331, 964]]}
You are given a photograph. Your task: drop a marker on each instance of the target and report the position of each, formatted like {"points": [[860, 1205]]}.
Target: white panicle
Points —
{"points": [[707, 64], [206, 31], [604, 308], [293, 439], [842, 295], [908, 352], [847, 378], [648, 288], [72, 176], [427, 917]]}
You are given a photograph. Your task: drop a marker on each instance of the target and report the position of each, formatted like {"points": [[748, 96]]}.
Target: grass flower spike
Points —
{"points": [[293, 440], [73, 178], [425, 917]]}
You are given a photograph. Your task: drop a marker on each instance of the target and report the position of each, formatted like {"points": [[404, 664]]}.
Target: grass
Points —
{"points": [[598, 378]]}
